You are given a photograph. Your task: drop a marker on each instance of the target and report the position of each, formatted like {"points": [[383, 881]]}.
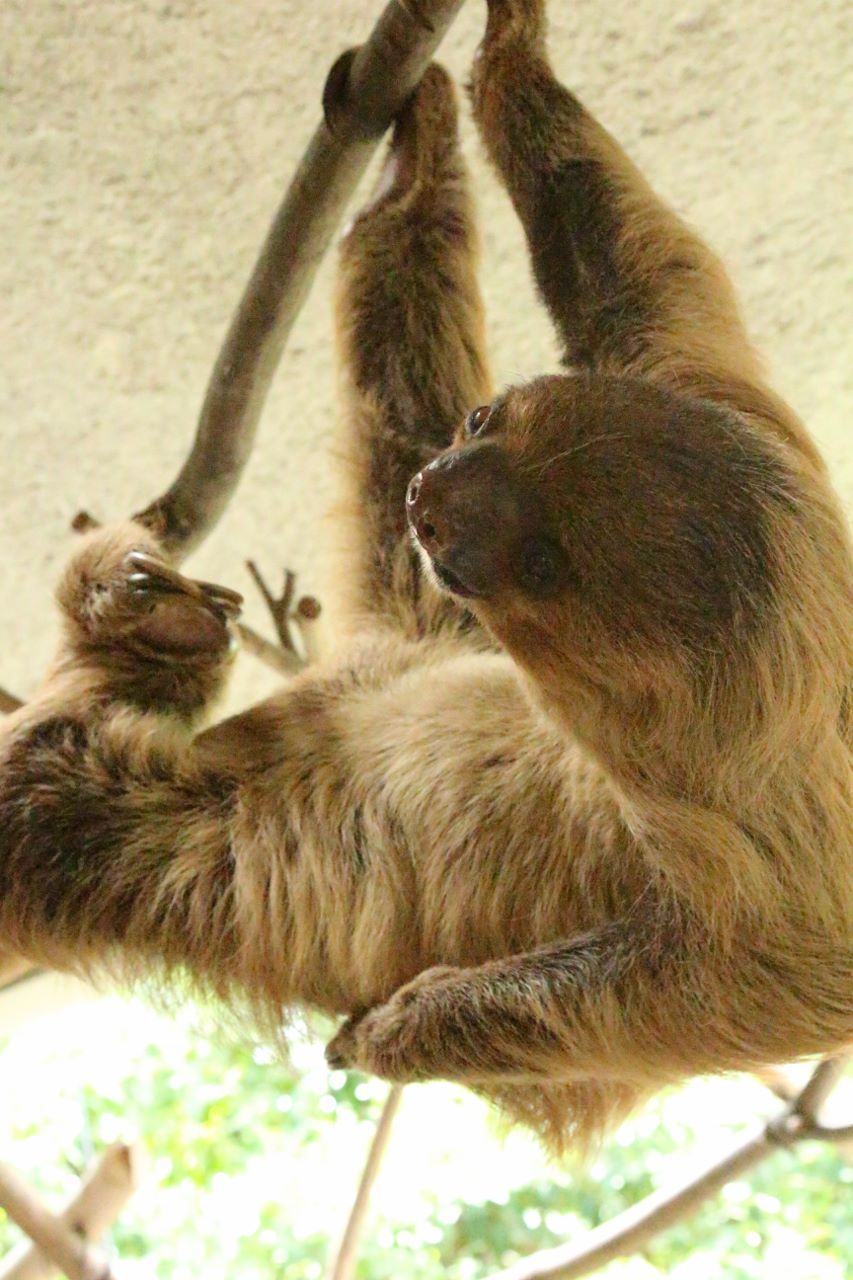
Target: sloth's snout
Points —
{"points": [[426, 518], [459, 508], [442, 502]]}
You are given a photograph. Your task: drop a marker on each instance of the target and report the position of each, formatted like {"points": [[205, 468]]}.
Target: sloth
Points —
{"points": [[566, 815]]}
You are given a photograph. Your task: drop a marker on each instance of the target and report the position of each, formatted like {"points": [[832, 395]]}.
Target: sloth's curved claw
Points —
{"points": [[152, 576]]}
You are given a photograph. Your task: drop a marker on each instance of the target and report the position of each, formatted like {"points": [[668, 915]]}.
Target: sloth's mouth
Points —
{"points": [[454, 571], [451, 581]]}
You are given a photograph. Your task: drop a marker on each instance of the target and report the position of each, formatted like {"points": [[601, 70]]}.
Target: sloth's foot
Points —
{"points": [[516, 20], [410, 1037], [174, 612], [424, 142], [120, 593]]}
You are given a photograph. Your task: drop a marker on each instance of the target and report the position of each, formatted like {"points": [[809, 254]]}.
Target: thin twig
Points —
{"points": [[290, 617], [67, 1251], [347, 1252], [96, 1205], [383, 73], [631, 1230], [280, 607], [281, 660]]}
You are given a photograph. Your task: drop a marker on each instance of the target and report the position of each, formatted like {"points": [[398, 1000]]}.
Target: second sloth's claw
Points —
{"points": [[152, 576], [230, 601]]}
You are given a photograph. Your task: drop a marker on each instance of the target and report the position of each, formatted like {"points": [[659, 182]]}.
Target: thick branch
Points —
{"points": [[631, 1230], [291, 617], [817, 1089], [97, 1204], [380, 78], [67, 1251]]}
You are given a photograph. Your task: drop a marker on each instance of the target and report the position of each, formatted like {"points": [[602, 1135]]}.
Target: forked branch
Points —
{"points": [[634, 1228], [379, 78], [68, 1252], [97, 1203]]}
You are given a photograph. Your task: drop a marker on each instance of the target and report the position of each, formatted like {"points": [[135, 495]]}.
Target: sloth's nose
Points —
{"points": [[462, 500], [425, 516]]}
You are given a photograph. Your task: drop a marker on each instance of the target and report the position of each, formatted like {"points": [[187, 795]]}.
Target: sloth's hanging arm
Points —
{"points": [[631, 288]]}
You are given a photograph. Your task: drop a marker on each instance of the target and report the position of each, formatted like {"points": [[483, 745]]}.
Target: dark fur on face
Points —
{"points": [[641, 518]]}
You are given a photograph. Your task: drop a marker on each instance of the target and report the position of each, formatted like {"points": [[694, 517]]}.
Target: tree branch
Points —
{"points": [[347, 1252], [94, 1208], [817, 1089], [8, 702], [67, 1251], [631, 1230], [281, 660], [379, 78]]}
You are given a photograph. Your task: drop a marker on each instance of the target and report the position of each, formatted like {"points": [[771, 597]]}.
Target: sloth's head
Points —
{"points": [[592, 523]]}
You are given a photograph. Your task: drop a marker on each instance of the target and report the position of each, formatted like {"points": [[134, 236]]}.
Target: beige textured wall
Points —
{"points": [[144, 147]]}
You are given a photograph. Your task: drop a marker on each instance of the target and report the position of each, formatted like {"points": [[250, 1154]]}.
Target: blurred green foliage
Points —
{"points": [[254, 1163]]}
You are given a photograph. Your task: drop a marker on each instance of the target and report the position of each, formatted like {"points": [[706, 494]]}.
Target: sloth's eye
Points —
{"points": [[477, 419], [542, 565]]}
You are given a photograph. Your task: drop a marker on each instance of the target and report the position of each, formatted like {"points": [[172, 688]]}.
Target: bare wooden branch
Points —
{"points": [[292, 617], [840, 1134], [817, 1089], [380, 77], [8, 702], [95, 1207], [281, 660], [347, 1252], [631, 1230], [280, 607], [68, 1252]]}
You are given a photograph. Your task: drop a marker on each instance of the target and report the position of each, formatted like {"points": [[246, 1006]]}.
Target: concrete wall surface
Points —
{"points": [[144, 145]]}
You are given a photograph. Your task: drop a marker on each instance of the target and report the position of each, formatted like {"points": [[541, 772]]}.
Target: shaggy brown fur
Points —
{"points": [[569, 816]]}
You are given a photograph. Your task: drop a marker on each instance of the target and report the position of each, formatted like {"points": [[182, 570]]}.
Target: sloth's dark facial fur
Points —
{"points": [[605, 499]]}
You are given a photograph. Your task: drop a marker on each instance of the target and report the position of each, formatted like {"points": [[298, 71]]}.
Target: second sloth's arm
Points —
{"points": [[240, 856], [115, 841]]}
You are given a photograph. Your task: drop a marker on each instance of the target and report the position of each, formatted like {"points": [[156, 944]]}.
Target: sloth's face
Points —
{"points": [[601, 511]]}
